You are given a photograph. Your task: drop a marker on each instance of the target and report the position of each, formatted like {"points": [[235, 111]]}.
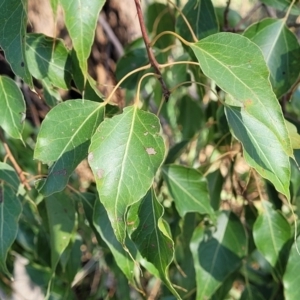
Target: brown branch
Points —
{"points": [[226, 12], [14, 163], [151, 56]]}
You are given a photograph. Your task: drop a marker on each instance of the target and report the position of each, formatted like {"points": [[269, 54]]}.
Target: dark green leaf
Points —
{"points": [[189, 190], [13, 20], [281, 50], [125, 153], [283, 5], [215, 185], [9, 176], [12, 107]]}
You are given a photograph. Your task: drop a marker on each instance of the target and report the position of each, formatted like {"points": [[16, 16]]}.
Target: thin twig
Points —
{"points": [[151, 56], [14, 163], [226, 12]]}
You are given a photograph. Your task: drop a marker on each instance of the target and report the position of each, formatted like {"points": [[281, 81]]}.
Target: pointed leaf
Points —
{"points": [[238, 67], [12, 107], [189, 190], [294, 136], [218, 253], [281, 51], [151, 236], [49, 59], [104, 228], [125, 153], [64, 139], [291, 275], [81, 20], [10, 211], [13, 20], [61, 218], [202, 18], [271, 226]]}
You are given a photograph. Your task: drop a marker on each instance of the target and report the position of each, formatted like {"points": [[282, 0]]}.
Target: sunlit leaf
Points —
{"points": [[49, 59], [294, 136], [238, 67], [218, 253], [271, 226], [12, 107], [81, 20], [281, 50], [61, 217], [125, 153], [189, 190], [151, 235], [64, 139], [13, 17]]}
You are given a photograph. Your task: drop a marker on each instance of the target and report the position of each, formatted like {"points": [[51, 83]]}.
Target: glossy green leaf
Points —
{"points": [[238, 67], [125, 153], [189, 190], [10, 211], [64, 139], [202, 18], [218, 253], [61, 217], [12, 107], [160, 17], [283, 5], [291, 276], [281, 51], [151, 235], [13, 19], [81, 21], [9, 176], [105, 229], [271, 226], [49, 59]]}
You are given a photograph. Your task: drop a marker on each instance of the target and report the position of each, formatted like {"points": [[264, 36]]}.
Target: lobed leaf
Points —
{"points": [[125, 153], [12, 107], [81, 21], [64, 139], [238, 67], [13, 19]]}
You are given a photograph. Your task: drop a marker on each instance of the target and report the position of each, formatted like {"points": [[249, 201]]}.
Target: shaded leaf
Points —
{"points": [[176, 151], [151, 235], [9, 176], [251, 293], [48, 59], [81, 20], [281, 51], [218, 253], [238, 67], [271, 226], [13, 19], [64, 139], [202, 18], [215, 185], [12, 107], [291, 275], [61, 218], [10, 211], [283, 5], [189, 190], [125, 153]]}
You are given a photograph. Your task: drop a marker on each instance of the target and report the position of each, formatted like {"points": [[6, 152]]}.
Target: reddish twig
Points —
{"points": [[14, 163], [151, 56]]}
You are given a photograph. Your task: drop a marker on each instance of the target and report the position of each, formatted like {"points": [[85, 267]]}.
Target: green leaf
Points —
{"points": [[281, 51], [81, 20], [293, 134], [61, 218], [10, 211], [189, 190], [54, 5], [283, 5], [151, 235], [125, 153], [104, 228], [291, 275], [9, 176], [271, 226], [12, 107], [238, 67], [202, 18], [218, 253], [48, 59], [13, 20], [215, 185], [64, 139]]}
